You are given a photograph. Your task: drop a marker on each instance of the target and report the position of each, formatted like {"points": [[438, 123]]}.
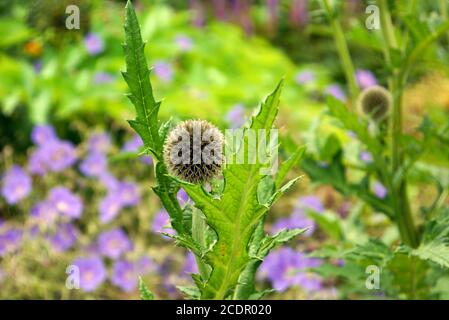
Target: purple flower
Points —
{"points": [[128, 193], [93, 43], [16, 185], [236, 116], [163, 70], [94, 164], [10, 240], [197, 13], [184, 43], [36, 162], [92, 272], [53, 155], [124, 275], [311, 203], [336, 91], [114, 243], [220, 9], [134, 145], [352, 134], [64, 238], [67, 203], [110, 207], [299, 13], [273, 8], [284, 268], [62, 155], [103, 77], [366, 157], [299, 218], [380, 190], [109, 181], [145, 265], [305, 77], [190, 264], [37, 66], [44, 213], [42, 134], [99, 142], [161, 223], [365, 78]]}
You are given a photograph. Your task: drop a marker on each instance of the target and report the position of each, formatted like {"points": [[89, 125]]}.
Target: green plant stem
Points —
{"points": [[343, 51], [444, 13], [404, 219], [387, 24], [443, 9], [198, 234]]}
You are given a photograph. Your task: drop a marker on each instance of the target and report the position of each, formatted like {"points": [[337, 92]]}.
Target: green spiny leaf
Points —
{"points": [[189, 292], [260, 295], [137, 76], [145, 293], [269, 242], [436, 252], [260, 246], [293, 161]]}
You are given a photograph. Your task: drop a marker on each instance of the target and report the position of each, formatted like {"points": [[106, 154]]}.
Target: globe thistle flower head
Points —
{"points": [[375, 102], [193, 151]]}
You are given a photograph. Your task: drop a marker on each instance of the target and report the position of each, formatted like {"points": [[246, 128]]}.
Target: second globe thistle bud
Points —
{"points": [[193, 151], [375, 102]]}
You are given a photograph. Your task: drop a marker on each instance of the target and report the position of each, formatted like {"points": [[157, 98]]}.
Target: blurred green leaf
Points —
{"points": [[145, 293]]}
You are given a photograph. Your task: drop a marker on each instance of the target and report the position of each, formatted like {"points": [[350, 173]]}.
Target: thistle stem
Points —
{"points": [[198, 233], [404, 219], [387, 24], [343, 51]]}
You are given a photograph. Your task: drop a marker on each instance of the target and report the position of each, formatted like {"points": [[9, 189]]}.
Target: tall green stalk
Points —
{"points": [[343, 51], [444, 12], [444, 9], [404, 218]]}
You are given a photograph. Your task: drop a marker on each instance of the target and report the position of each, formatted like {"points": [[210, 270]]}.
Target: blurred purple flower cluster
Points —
{"points": [[54, 213], [51, 154], [135, 144], [163, 70], [286, 268], [10, 239], [16, 185], [365, 79], [299, 218], [236, 116], [112, 245], [184, 42], [94, 43]]}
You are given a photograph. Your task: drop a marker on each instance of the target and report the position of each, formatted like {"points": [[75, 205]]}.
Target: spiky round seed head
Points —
{"points": [[193, 151], [375, 102]]}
